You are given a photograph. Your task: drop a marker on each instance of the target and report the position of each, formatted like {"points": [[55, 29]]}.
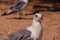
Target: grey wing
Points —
{"points": [[20, 35], [27, 35], [18, 5], [16, 36], [29, 38]]}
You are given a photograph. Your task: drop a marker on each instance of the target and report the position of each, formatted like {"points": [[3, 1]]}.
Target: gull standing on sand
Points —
{"points": [[32, 32], [19, 5]]}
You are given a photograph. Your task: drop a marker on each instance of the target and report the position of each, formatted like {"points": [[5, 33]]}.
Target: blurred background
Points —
{"points": [[50, 23]]}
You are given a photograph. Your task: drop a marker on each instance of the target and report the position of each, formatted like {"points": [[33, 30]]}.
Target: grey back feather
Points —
{"points": [[20, 35]]}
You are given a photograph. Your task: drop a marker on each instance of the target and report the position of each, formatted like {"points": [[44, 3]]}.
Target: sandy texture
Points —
{"points": [[50, 23]]}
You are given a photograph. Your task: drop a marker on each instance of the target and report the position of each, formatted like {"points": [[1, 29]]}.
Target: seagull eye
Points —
{"points": [[36, 16]]}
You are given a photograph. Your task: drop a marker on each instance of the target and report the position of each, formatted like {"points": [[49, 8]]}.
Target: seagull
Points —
{"points": [[19, 5], [32, 32]]}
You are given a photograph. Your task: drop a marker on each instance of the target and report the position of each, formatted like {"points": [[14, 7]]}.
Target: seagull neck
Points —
{"points": [[35, 26], [35, 23]]}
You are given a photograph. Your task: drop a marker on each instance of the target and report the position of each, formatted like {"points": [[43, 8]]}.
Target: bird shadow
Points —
{"points": [[21, 18]]}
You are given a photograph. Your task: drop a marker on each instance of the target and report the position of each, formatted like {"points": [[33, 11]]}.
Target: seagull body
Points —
{"points": [[18, 5], [30, 33]]}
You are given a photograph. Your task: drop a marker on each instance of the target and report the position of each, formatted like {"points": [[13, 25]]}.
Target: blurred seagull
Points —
{"points": [[32, 32], [17, 6]]}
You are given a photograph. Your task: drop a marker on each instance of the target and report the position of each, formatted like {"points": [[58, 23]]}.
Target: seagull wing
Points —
{"points": [[20, 35], [16, 35], [18, 5], [15, 7]]}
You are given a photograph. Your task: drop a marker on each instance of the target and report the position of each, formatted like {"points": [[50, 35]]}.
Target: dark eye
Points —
{"points": [[36, 16]]}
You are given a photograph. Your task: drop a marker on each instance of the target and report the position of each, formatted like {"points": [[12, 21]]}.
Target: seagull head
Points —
{"points": [[38, 16]]}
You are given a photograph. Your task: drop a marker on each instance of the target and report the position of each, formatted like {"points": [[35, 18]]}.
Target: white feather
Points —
{"points": [[35, 28]]}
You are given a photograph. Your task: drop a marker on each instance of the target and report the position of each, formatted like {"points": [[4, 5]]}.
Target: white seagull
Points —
{"points": [[17, 6], [30, 33]]}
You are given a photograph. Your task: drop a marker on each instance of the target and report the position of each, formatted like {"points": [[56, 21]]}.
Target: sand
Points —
{"points": [[50, 23]]}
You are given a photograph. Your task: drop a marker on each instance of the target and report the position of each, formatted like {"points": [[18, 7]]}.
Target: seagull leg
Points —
{"points": [[20, 13]]}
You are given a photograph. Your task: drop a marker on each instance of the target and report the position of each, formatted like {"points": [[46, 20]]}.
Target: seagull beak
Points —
{"points": [[42, 18]]}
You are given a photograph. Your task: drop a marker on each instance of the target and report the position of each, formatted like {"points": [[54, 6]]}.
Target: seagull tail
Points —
{"points": [[8, 13]]}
